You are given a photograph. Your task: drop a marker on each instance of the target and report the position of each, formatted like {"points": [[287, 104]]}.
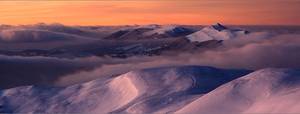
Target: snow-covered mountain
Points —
{"points": [[158, 90], [170, 31], [36, 59], [263, 91], [186, 89], [216, 32], [151, 32]]}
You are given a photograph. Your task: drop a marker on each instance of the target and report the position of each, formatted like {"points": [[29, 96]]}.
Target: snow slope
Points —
{"points": [[182, 90], [216, 32], [150, 32], [170, 31], [90, 97], [158, 90], [263, 91]]}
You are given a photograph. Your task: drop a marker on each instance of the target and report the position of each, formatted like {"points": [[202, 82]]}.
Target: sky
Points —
{"points": [[129, 12]]}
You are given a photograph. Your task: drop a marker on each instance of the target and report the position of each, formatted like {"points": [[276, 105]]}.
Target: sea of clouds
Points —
{"points": [[275, 51]]}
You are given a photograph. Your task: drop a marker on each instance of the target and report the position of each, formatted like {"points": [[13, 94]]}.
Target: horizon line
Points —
{"points": [[53, 23]]}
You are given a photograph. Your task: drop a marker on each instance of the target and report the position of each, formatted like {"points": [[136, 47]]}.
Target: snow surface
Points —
{"points": [[216, 32], [171, 30], [264, 91], [161, 30], [159, 90], [88, 97], [182, 90]]}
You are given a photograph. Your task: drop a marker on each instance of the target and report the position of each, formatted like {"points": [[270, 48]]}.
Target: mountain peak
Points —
{"points": [[219, 27], [216, 32]]}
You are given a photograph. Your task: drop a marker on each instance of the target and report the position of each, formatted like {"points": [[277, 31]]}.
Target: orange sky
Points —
{"points": [[121, 12]]}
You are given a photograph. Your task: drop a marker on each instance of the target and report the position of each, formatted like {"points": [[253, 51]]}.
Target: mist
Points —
{"points": [[276, 52], [254, 51]]}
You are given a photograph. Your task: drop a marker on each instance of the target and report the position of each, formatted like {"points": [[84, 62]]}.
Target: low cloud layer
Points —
{"points": [[17, 71], [279, 51]]}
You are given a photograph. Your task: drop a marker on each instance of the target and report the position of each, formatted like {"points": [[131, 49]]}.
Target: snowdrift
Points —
{"points": [[158, 90], [264, 91], [90, 97], [186, 89]]}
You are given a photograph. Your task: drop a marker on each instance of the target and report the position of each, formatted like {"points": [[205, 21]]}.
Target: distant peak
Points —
{"points": [[219, 27]]}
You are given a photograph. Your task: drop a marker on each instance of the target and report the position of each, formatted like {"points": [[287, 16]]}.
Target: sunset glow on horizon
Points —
{"points": [[254, 12]]}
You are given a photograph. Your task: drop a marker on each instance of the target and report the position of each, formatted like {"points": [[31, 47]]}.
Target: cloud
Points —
{"points": [[280, 51], [16, 71], [277, 52]]}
